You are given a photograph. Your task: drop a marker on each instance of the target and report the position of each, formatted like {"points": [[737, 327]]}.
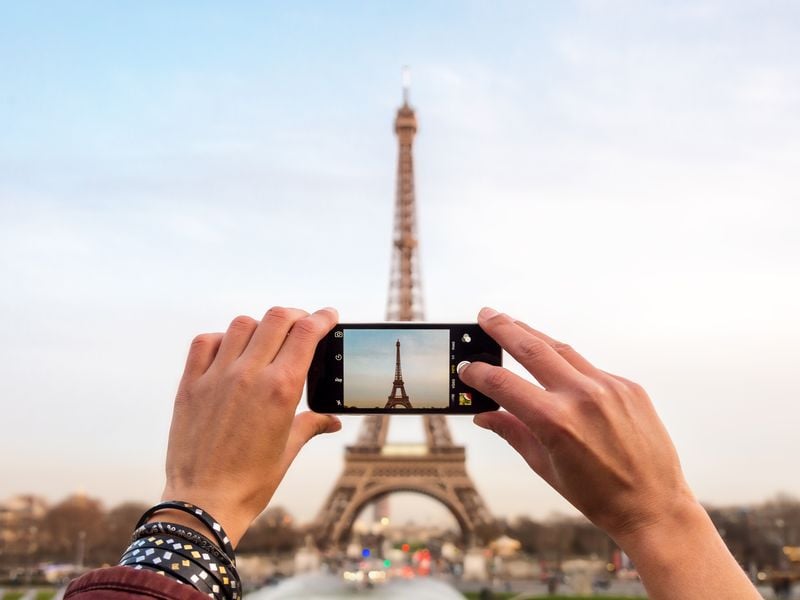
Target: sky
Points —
{"points": [[620, 175], [369, 367]]}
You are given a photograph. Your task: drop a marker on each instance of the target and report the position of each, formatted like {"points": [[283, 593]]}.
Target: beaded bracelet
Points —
{"points": [[198, 513]]}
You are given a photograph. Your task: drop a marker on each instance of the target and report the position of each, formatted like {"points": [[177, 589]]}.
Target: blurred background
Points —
{"points": [[620, 175]]}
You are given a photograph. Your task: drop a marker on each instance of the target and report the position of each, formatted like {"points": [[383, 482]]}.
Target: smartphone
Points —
{"points": [[399, 368]]}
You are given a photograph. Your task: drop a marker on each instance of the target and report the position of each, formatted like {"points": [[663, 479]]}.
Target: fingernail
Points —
{"points": [[461, 366], [487, 313]]}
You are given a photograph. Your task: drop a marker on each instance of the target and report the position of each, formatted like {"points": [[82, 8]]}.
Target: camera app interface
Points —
{"points": [[397, 369]]}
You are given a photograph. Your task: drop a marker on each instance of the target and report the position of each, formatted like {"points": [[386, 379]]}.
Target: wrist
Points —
{"points": [[684, 551], [233, 518], [685, 519]]}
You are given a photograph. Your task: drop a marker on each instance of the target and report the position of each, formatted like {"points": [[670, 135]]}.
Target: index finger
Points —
{"points": [[535, 354], [297, 351], [528, 402], [271, 333], [565, 350]]}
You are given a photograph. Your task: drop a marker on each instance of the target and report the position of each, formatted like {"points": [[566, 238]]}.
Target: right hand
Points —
{"points": [[594, 437], [597, 440]]}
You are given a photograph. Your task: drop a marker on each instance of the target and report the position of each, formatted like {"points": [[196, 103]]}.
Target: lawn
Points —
{"points": [[40, 595], [509, 595]]}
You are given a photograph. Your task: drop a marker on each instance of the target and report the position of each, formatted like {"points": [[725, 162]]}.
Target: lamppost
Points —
{"points": [[80, 549], [780, 525], [32, 547]]}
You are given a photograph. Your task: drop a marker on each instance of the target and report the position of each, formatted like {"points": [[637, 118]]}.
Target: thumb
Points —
{"points": [[305, 426], [519, 437]]}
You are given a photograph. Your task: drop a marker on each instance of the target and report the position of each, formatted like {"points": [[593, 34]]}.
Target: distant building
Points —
{"points": [[19, 522]]}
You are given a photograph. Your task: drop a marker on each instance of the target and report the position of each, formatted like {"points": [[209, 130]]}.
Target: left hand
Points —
{"points": [[234, 430]]}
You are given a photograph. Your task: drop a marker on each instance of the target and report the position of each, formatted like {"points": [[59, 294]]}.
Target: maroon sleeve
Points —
{"points": [[127, 583]]}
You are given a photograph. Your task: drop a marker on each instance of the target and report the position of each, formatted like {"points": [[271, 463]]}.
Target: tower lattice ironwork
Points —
{"points": [[374, 469]]}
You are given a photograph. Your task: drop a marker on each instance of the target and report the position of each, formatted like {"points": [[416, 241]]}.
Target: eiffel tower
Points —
{"points": [[398, 385], [374, 469]]}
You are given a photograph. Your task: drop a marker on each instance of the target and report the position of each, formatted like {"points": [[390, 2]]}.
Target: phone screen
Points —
{"points": [[399, 367]]}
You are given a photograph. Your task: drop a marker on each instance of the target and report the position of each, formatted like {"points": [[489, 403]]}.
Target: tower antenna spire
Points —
{"points": [[406, 83]]}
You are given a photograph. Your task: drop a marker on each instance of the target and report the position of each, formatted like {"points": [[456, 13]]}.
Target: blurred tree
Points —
{"points": [[560, 538], [73, 530], [273, 532], [756, 535], [486, 532], [783, 511], [119, 523], [556, 538], [528, 532], [590, 540]]}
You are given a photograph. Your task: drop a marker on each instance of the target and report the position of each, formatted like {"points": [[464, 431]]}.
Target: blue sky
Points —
{"points": [[621, 175]]}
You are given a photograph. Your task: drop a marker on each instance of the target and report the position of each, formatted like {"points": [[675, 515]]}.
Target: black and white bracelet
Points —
{"points": [[184, 554], [199, 514], [183, 562], [183, 532]]}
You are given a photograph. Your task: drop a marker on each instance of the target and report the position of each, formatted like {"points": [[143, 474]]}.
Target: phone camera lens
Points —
{"points": [[466, 338]]}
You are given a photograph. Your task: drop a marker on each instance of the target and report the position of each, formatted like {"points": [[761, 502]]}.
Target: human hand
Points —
{"points": [[597, 440], [234, 430], [593, 436]]}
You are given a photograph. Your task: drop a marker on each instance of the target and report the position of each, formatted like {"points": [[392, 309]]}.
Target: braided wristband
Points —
{"points": [[199, 514]]}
